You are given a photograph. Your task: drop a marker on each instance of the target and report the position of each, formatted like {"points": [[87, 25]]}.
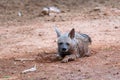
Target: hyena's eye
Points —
{"points": [[60, 43], [67, 44]]}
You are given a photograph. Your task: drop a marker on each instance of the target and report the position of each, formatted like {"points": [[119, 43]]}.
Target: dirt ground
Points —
{"points": [[32, 36]]}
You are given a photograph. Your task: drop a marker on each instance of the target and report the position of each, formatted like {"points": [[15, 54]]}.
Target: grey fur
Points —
{"points": [[72, 45]]}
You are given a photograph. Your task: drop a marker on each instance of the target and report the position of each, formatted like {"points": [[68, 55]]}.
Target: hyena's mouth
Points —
{"points": [[63, 54]]}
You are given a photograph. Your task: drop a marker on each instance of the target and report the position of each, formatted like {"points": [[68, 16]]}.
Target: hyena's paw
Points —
{"points": [[59, 57], [69, 58], [65, 60], [87, 54]]}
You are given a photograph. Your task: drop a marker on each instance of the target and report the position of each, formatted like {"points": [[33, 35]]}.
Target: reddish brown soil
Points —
{"points": [[32, 36]]}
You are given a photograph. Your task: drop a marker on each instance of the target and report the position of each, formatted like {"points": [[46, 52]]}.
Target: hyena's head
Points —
{"points": [[65, 41]]}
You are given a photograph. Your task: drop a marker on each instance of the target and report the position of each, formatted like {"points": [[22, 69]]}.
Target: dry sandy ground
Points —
{"points": [[34, 37]]}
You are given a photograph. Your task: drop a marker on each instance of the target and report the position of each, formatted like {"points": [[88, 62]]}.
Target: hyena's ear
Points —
{"points": [[72, 33], [58, 32]]}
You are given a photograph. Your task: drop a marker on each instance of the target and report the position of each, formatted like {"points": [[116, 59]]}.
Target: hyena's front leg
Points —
{"points": [[69, 58], [58, 56]]}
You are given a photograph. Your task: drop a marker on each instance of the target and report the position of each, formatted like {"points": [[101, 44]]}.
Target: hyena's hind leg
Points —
{"points": [[87, 51], [86, 43], [84, 50]]}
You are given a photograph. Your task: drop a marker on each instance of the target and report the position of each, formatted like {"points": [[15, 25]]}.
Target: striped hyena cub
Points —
{"points": [[72, 45]]}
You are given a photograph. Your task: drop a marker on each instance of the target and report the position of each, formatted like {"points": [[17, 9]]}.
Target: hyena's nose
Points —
{"points": [[64, 49]]}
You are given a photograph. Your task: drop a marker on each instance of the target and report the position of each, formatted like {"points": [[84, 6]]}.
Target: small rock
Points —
{"points": [[97, 9], [30, 70], [48, 10], [19, 14], [79, 70], [116, 27]]}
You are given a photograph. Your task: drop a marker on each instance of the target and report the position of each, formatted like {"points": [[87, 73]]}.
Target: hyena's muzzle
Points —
{"points": [[63, 47]]}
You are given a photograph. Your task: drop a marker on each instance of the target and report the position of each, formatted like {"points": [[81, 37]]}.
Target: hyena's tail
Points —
{"points": [[87, 37]]}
